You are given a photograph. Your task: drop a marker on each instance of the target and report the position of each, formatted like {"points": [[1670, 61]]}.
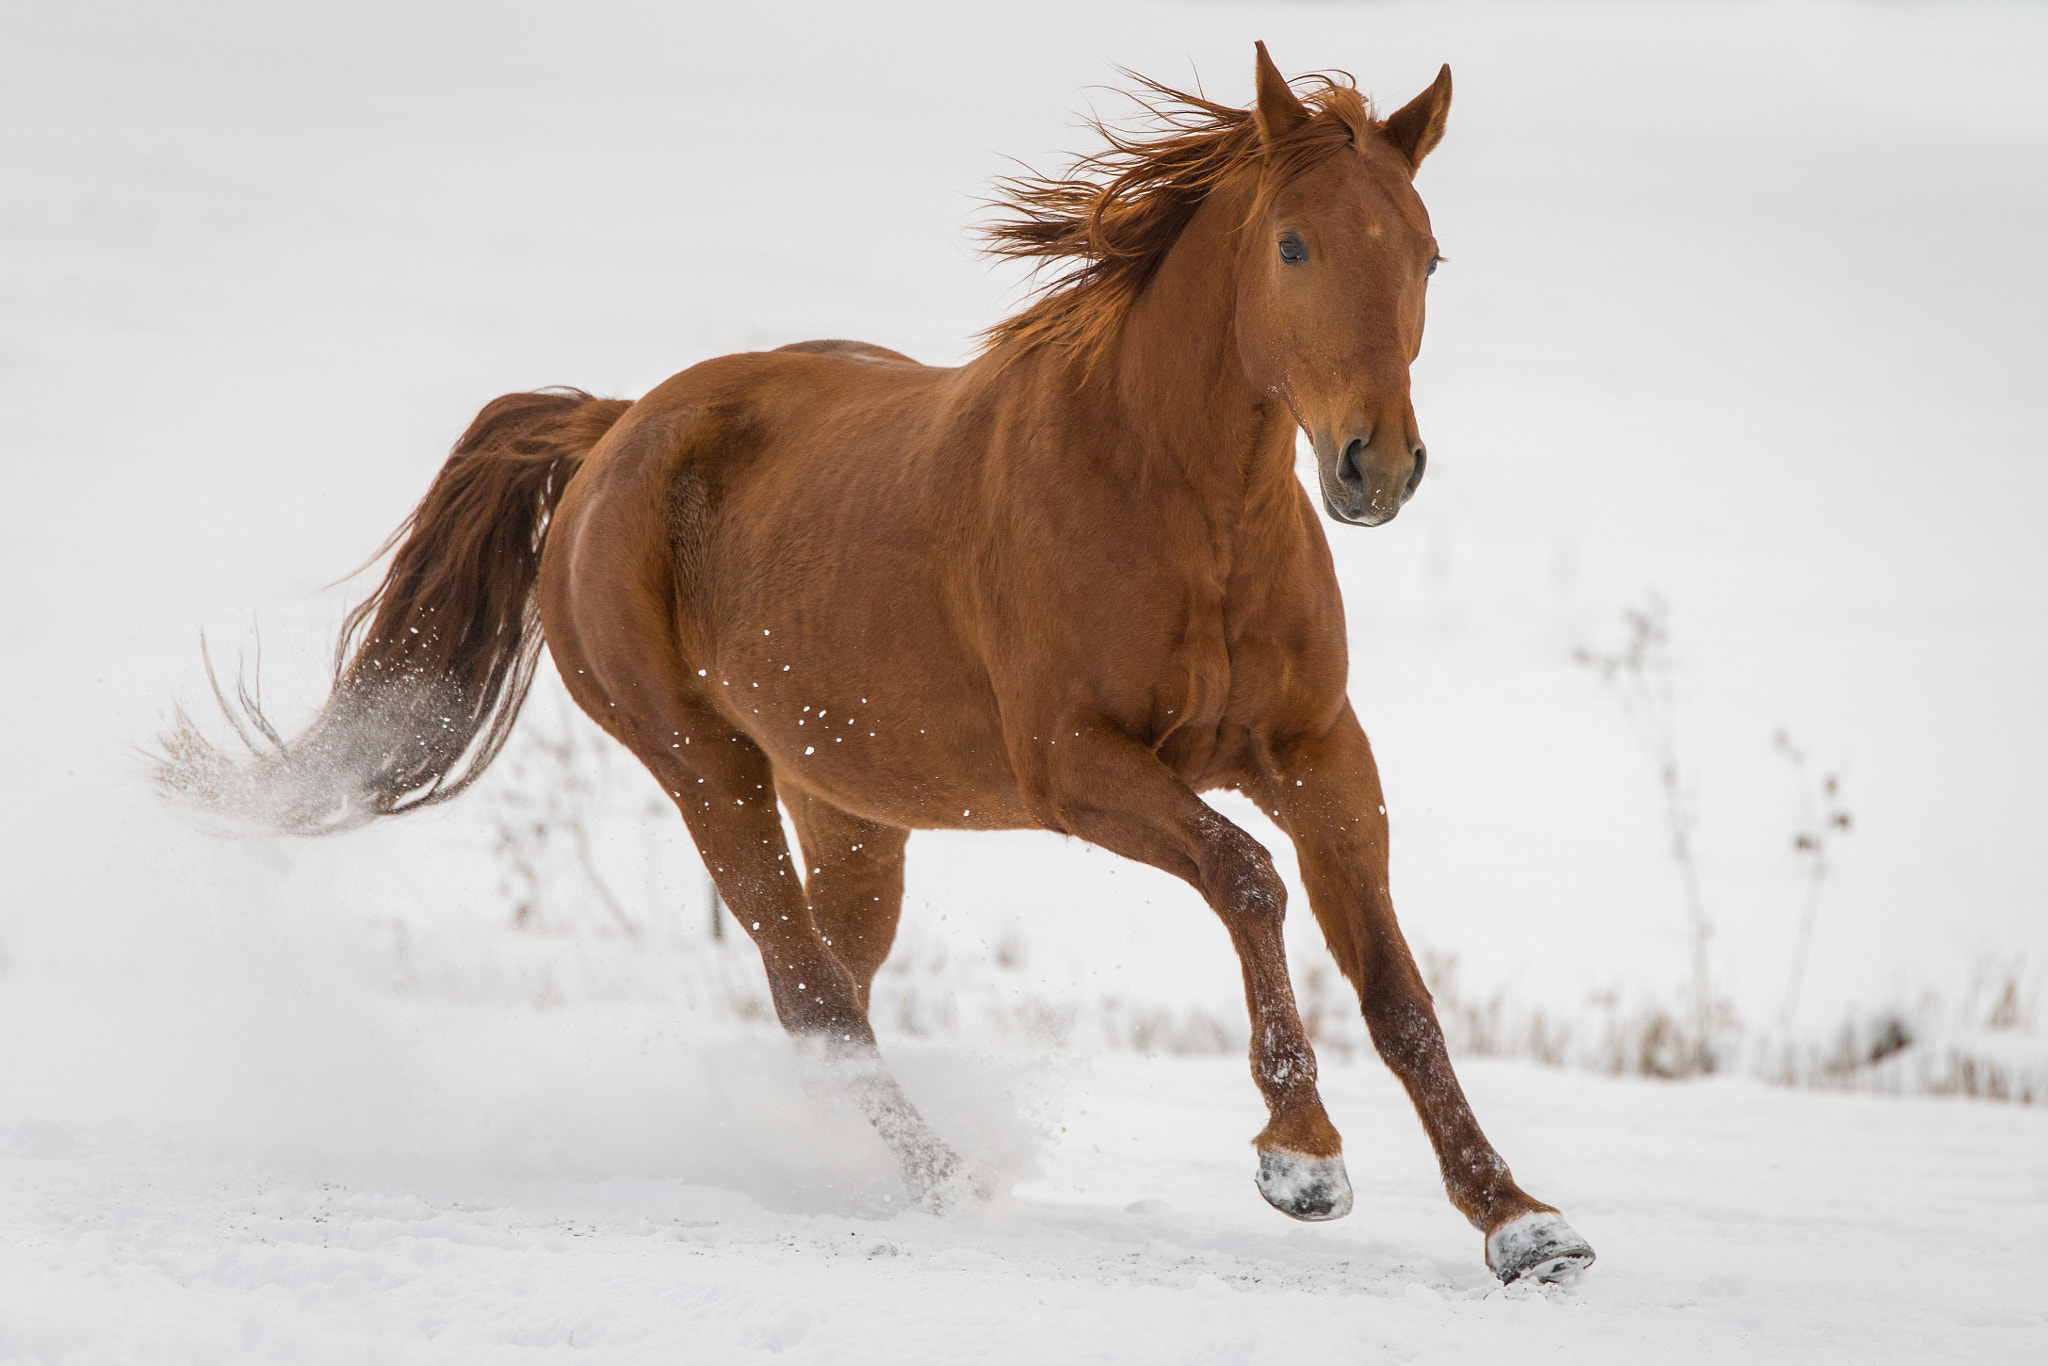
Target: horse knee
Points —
{"points": [[1241, 879]]}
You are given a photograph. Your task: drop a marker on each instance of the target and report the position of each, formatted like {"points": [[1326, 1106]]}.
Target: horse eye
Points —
{"points": [[1293, 250], [1430, 269]]}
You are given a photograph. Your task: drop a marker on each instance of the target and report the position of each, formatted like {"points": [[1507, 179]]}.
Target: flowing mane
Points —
{"points": [[1111, 217]]}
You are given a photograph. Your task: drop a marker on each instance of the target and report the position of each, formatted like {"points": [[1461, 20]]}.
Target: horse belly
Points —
{"points": [[836, 654], [885, 727]]}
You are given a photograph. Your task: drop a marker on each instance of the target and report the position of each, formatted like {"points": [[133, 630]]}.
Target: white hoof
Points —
{"points": [[1311, 1189], [1537, 1247]]}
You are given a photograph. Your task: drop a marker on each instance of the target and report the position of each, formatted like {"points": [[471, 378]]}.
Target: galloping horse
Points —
{"points": [[1067, 586]]}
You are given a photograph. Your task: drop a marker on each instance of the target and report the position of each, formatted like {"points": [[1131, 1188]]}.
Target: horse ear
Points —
{"points": [[1419, 126], [1279, 112]]}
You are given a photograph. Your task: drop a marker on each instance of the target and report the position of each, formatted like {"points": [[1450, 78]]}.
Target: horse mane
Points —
{"points": [[1111, 217]]}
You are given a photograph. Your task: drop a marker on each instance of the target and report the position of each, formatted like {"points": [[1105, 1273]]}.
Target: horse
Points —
{"points": [[1067, 586]]}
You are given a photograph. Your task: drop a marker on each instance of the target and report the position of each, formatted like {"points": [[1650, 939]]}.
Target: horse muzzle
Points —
{"points": [[1366, 484]]}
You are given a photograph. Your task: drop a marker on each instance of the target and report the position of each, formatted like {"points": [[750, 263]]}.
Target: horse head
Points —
{"points": [[1332, 274]]}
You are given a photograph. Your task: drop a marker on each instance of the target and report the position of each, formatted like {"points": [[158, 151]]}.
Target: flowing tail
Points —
{"points": [[432, 667]]}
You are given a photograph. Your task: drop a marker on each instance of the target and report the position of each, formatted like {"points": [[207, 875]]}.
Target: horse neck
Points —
{"points": [[1182, 402]]}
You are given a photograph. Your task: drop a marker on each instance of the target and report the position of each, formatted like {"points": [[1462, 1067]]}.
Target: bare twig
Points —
{"points": [[1823, 818], [546, 806], [1641, 676]]}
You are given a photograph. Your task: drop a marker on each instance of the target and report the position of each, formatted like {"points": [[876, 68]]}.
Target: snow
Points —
{"points": [[1741, 304], [1733, 1222]]}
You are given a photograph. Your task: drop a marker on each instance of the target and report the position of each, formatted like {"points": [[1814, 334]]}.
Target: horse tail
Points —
{"points": [[430, 670]]}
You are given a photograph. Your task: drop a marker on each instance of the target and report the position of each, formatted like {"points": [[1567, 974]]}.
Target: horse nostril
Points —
{"points": [[1348, 473], [1415, 477]]}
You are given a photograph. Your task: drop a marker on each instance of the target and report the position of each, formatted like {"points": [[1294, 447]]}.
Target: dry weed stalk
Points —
{"points": [[2003, 995], [1823, 819], [540, 813], [1641, 676]]}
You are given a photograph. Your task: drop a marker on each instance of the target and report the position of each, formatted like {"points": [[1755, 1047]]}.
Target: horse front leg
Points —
{"points": [[1326, 793], [1114, 792]]}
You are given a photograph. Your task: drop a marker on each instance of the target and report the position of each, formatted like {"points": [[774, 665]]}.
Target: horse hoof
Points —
{"points": [[1311, 1189], [936, 1178], [1537, 1247], [953, 1187]]}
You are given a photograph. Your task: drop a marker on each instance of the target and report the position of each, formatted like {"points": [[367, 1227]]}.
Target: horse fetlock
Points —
{"points": [[1284, 1066], [1538, 1246], [1480, 1168], [1311, 1189], [1482, 1188]]}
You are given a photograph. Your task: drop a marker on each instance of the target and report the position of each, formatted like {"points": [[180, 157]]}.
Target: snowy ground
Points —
{"points": [[1736, 1223], [1742, 304]]}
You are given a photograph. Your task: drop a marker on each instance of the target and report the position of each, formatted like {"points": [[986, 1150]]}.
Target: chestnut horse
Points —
{"points": [[1067, 586]]}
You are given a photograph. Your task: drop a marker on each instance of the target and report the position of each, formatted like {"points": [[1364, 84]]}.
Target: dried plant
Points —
{"points": [[539, 814], [2003, 994], [1641, 675], [1822, 820]]}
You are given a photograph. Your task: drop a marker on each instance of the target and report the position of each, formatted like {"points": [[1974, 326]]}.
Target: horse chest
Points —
{"points": [[1193, 682], [1232, 649], [1189, 680]]}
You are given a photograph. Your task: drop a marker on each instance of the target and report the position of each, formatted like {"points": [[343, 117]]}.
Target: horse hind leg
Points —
{"points": [[853, 880], [631, 679], [727, 797]]}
